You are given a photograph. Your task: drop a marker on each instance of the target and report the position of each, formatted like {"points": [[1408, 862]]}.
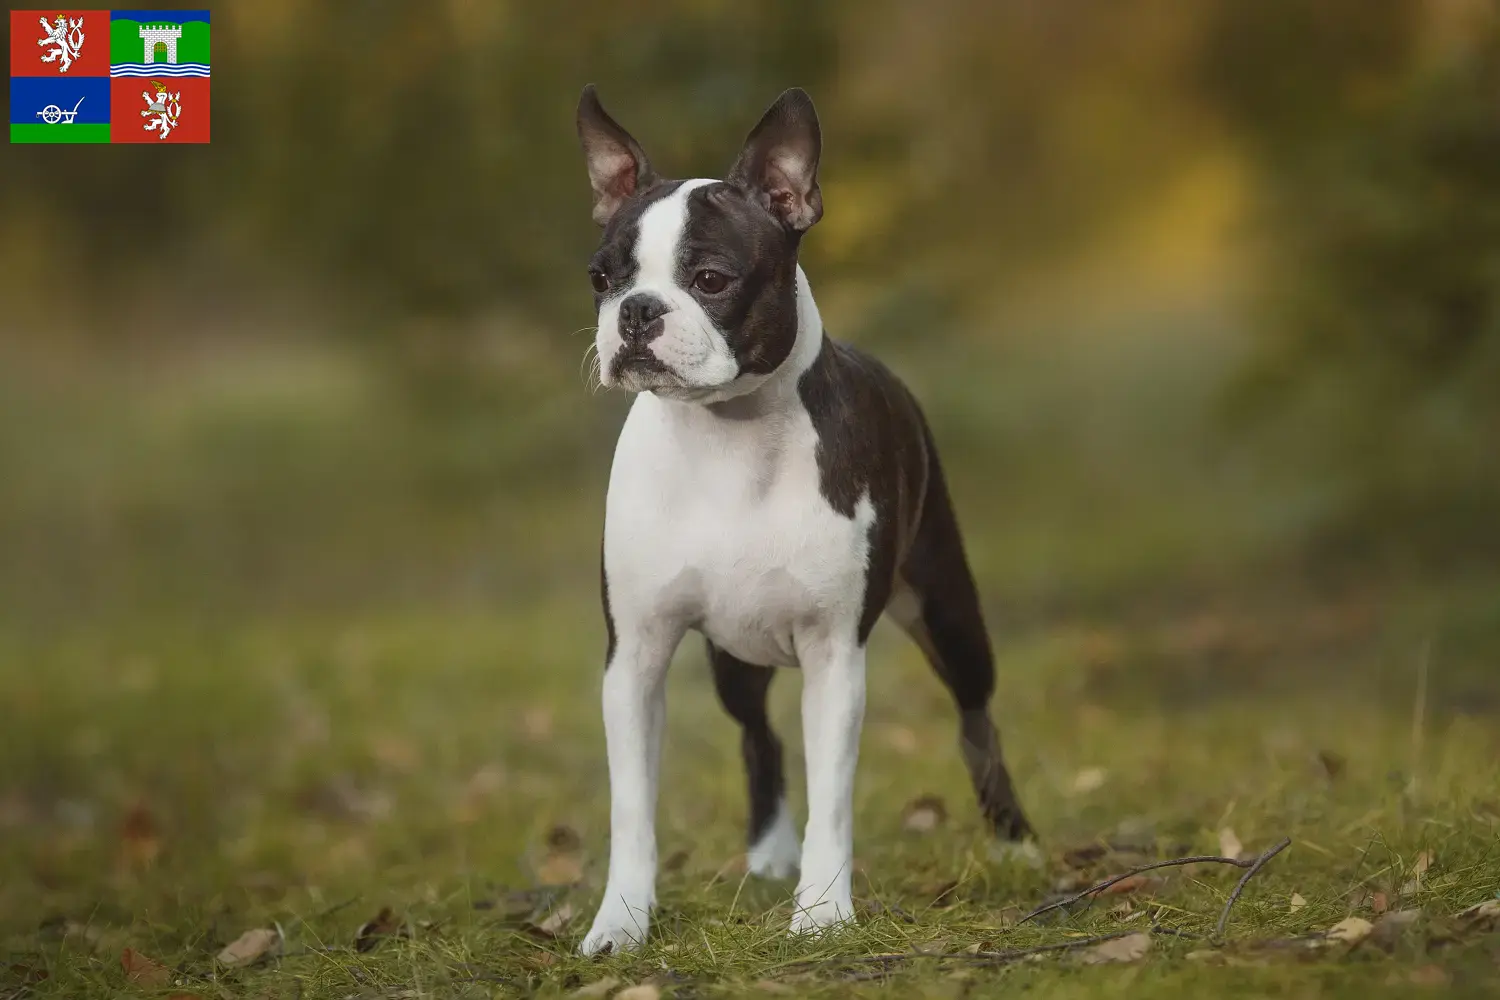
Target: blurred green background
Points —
{"points": [[1188, 291], [1202, 299]]}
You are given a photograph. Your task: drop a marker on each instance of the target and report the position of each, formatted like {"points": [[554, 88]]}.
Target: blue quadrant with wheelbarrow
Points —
{"points": [[59, 102]]}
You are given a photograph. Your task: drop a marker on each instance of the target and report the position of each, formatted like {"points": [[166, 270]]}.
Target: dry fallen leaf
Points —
{"points": [[902, 739], [645, 991], [923, 815], [943, 894], [250, 947], [1485, 914], [1350, 930], [1230, 846], [1333, 763], [146, 971], [140, 842], [386, 924], [1297, 903], [1130, 948], [1090, 779], [1389, 927], [563, 863], [1131, 884], [1429, 975], [598, 988], [554, 924], [1418, 869]]}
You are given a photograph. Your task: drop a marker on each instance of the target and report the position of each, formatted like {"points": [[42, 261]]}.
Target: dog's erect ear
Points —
{"points": [[779, 165], [617, 165]]}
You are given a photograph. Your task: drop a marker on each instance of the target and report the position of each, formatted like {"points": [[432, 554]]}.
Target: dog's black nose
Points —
{"points": [[640, 318]]}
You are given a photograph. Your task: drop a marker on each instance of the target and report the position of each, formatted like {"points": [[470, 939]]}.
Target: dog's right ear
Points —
{"points": [[617, 166]]}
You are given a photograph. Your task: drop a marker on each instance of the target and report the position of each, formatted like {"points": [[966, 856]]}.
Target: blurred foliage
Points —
{"points": [[1379, 135], [402, 180]]}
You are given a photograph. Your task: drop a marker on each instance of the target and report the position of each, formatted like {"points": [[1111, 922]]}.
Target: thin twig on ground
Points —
{"points": [[1253, 864], [1260, 863], [976, 958]]}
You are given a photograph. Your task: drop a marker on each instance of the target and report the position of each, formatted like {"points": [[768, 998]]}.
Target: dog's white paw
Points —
{"points": [[617, 927], [778, 852], [821, 907]]}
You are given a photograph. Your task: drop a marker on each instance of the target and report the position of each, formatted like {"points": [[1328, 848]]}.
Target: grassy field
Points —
{"points": [[276, 657]]}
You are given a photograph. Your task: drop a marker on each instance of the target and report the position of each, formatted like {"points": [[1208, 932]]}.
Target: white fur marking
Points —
{"points": [[777, 853], [720, 525], [689, 344]]}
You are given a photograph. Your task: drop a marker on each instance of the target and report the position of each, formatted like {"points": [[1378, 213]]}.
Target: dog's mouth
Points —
{"points": [[636, 369]]}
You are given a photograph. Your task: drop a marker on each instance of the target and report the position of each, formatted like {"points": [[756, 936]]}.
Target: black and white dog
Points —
{"points": [[773, 489]]}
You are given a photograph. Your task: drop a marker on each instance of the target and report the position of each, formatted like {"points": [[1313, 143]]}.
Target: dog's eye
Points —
{"points": [[599, 280], [711, 282]]}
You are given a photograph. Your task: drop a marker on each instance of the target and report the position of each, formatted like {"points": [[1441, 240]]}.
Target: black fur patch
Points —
{"points": [[870, 439]]}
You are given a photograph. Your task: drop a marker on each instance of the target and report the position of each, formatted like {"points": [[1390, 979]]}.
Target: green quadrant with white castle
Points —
{"points": [[159, 46]]}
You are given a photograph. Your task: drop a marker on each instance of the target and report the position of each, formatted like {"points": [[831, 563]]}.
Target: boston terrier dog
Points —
{"points": [[772, 489]]}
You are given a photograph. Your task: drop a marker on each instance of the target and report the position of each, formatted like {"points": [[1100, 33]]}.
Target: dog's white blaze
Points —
{"points": [[689, 344], [720, 525]]}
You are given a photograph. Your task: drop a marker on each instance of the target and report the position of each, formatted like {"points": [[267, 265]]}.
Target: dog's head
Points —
{"points": [[696, 281]]}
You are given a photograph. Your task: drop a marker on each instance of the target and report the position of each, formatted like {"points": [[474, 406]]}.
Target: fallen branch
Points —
{"points": [[975, 958], [1260, 863], [1254, 865]]}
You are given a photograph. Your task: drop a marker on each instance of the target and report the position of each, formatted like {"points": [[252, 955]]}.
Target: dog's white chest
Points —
{"points": [[719, 525]]}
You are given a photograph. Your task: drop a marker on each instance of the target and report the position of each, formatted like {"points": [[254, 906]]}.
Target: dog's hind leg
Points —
{"points": [[936, 603], [743, 687]]}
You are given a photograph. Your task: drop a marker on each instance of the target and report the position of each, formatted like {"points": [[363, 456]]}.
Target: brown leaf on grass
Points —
{"points": [[1230, 846], [942, 893], [924, 814], [1296, 903], [1429, 976], [1482, 916], [1090, 779], [1389, 927], [1121, 909], [26, 975], [1130, 948], [140, 840], [563, 862], [645, 991], [555, 922], [902, 739], [372, 932], [1350, 931], [1132, 884], [250, 947], [145, 971], [1418, 870], [1333, 764], [676, 861], [596, 989]]}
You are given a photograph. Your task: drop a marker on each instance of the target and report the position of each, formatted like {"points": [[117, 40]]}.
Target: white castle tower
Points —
{"points": [[166, 34]]}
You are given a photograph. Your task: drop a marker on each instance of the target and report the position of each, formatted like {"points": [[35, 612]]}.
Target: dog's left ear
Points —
{"points": [[779, 165]]}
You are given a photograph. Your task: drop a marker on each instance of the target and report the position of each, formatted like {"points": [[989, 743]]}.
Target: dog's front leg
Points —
{"points": [[833, 709], [634, 711]]}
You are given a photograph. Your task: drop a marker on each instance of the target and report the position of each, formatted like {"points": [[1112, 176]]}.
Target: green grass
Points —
{"points": [[126, 46], [41, 132], [308, 773]]}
